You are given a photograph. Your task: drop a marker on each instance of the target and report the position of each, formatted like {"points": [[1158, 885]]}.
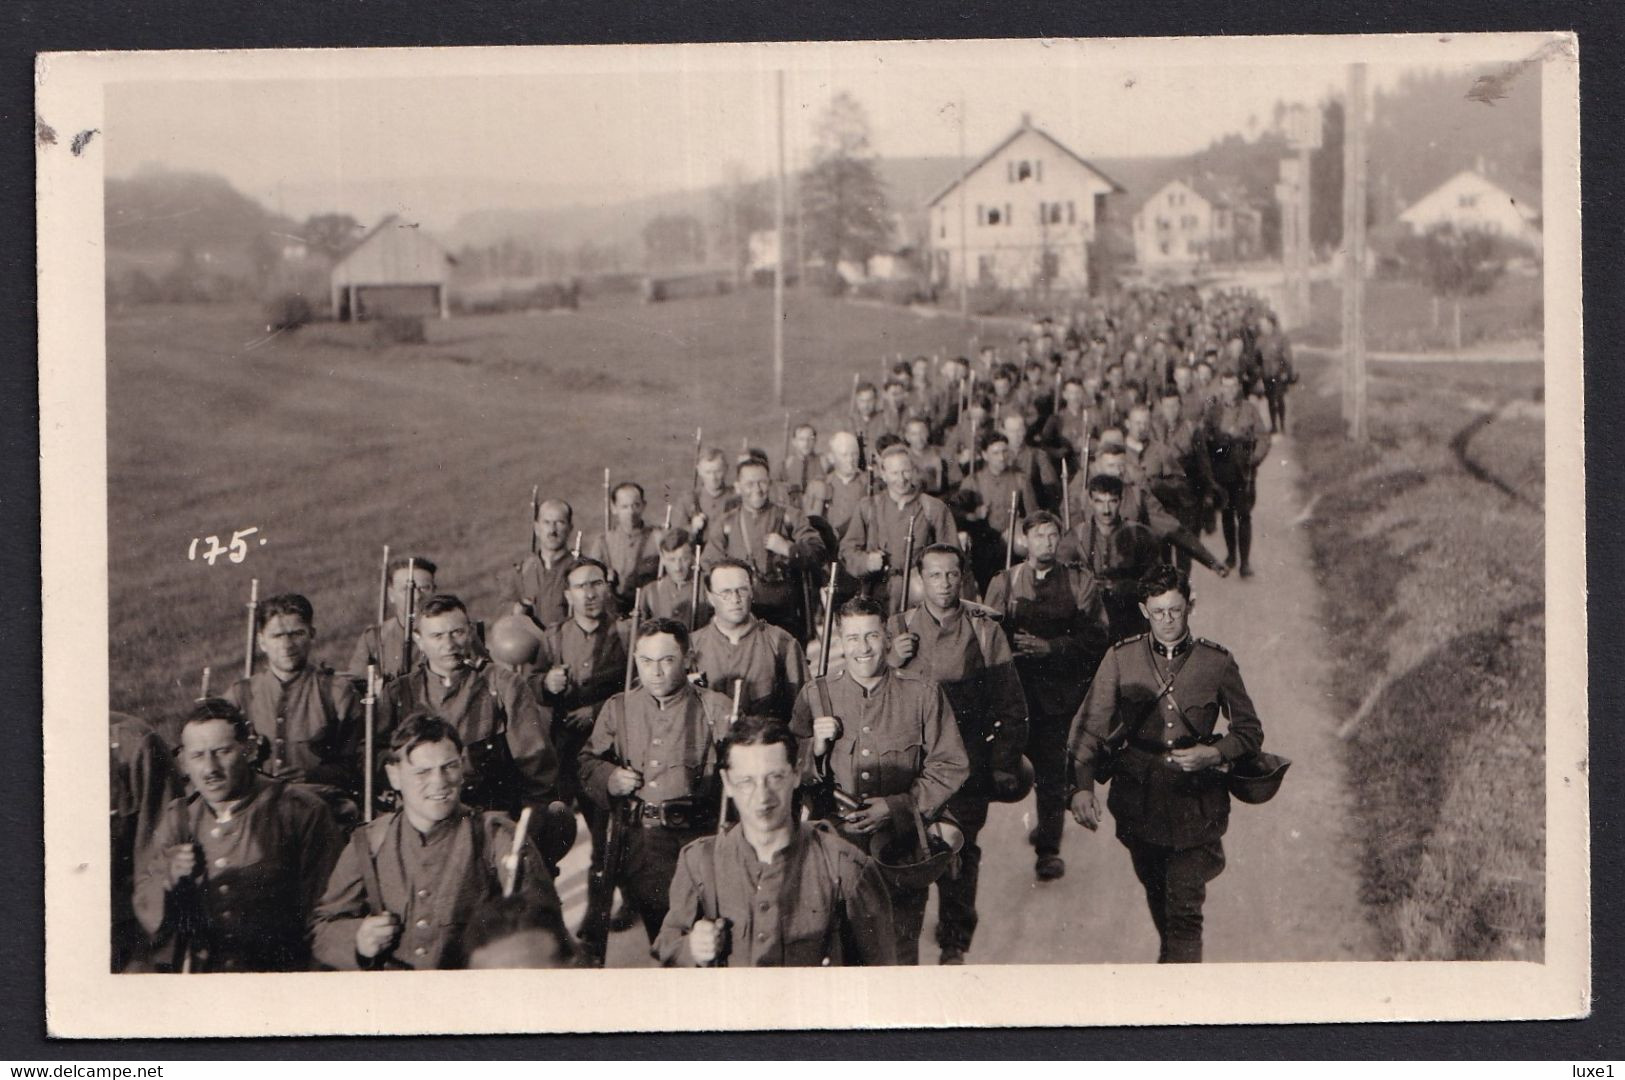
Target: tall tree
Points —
{"points": [[1456, 264], [331, 234], [844, 209]]}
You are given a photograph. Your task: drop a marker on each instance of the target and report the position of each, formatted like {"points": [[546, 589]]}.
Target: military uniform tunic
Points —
{"points": [[881, 524], [777, 582], [312, 723], [541, 585], [633, 558], [770, 661]]}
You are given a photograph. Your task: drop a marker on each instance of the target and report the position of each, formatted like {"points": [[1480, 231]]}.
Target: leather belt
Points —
{"points": [[684, 814], [1147, 746]]}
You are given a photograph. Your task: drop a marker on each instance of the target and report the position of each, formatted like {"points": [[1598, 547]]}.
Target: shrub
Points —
{"points": [[288, 311], [399, 330]]}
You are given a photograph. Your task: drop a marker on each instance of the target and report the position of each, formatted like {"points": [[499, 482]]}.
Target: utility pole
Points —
{"points": [[964, 231], [778, 261], [1354, 167]]}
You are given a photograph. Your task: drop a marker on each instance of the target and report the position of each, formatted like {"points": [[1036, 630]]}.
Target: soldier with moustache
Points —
{"points": [[960, 646], [535, 587], [657, 741], [1159, 697], [777, 543], [1136, 505], [408, 883], [737, 646], [875, 546], [889, 740], [235, 867], [1053, 615]]}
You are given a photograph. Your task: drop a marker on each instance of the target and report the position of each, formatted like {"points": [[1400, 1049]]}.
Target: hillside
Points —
{"points": [[159, 210]]}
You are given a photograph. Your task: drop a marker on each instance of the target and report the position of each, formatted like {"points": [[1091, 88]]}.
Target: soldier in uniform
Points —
{"points": [[869, 421], [1053, 615], [710, 497], [993, 487], [1032, 464], [889, 740], [938, 474], [535, 587], [778, 544], [672, 594], [1275, 357], [1137, 505], [384, 645], [1178, 474], [657, 741], [236, 866], [509, 761], [776, 891], [960, 646], [1237, 445], [736, 646], [407, 884], [876, 542], [141, 783], [308, 718], [631, 548], [800, 467], [835, 496], [1160, 696]]}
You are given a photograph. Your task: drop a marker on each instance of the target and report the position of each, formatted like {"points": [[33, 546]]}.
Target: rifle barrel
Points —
{"points": [[253, 614], [632, 639], [367, 753], [383, 587]]}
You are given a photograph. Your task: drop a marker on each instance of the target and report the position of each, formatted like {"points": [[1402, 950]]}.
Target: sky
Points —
{"points": [[551, 127]]}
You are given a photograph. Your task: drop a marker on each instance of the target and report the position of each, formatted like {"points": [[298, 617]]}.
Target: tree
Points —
{"points": [[1455, 264], [331, 234], [844, 208], [673, 240], [1326, 180]]}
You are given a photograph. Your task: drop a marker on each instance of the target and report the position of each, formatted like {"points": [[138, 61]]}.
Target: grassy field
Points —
{"points": [[1429, 548], [1399, 315], [333, 447]]}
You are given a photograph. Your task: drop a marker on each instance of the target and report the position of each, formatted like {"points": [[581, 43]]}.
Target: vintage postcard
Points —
{"points": [[696, 537]]}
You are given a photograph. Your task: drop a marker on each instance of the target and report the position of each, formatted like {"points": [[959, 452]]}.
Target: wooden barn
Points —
{"points": [[396, 269]]}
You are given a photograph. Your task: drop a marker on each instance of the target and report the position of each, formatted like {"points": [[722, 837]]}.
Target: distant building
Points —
{"points": [[1470, 199], [1031, 209], [396, 269], [1196, 220]]}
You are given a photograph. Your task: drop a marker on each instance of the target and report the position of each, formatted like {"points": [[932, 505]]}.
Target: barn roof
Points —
{"points": [[394, 250], [1021, 129]]}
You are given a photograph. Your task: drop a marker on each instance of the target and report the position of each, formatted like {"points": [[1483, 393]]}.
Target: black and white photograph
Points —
{"points": [[581, 518]]}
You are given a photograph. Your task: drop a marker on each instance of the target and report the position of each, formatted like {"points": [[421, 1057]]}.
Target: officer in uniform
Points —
{"points": [[236, 866], [657, 741], [509, 761], [407, 884], [889, 740], [384, 645], [876, 542], [960, 646], [308, 719], [1237, 445], [773, 891], [535, 587], [1053, 615], [778, 544], [737, 646], [1159, 696]]}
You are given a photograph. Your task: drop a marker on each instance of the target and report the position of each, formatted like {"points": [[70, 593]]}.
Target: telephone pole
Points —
{"points": [[964, 231], [1354, 178], [778, 261]]}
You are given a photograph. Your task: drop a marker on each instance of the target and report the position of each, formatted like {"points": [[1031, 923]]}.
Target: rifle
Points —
{"points": [[623, 817], [632, 639], [411, 613], [694, 595], [511, 865], [1066, 499], [606, 510], [697, 452], [535, 509], [253, 617], [1010, 532], [908, 562], [828, 800], [383, 589], [575, 552], [370, 719], [205, 688]]}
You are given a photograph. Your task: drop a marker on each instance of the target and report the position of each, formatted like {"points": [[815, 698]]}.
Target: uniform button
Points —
{"points": [[865, 729], [420, 951], [225, 914], [1169, 724], [215, 831], [423, 892], [654, 763], [657, 742], [224, 888], [761, 937], [865, 753], [423, 924], [864, 775], [220, 861]]}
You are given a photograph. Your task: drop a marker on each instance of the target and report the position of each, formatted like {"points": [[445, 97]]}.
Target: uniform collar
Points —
{"points": [[1177, 649]]}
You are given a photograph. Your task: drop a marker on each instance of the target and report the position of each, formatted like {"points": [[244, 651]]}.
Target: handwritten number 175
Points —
{"points": [[236, 551]]}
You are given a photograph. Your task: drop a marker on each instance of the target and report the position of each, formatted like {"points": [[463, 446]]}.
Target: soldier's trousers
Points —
{"points": [[956, 896], [1237, 519], [1175, 889], [1046, 749], [908, 916], [651, 861], [1275, 391]]}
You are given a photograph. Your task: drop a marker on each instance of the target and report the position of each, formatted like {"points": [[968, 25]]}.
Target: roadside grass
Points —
{"points": [[1399, 315], [1429, 548], [333, 447]]}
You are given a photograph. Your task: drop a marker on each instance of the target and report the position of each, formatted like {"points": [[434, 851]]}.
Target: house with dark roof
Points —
{"points": [[1025, 216], [396, 269]]}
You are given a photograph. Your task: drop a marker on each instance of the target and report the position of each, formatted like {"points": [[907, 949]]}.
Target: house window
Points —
{"points": [[1163, 247], [1024, 171], [992, 216], [1071, 215]]}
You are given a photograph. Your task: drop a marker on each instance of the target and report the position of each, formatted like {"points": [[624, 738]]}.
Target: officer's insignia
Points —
{"points": [[1131, 640], [1213, 645]]}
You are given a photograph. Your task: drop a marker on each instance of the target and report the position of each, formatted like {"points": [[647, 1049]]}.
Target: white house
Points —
{"points": [[1471, 200], [394, 270], [1031, 209], [1199, 220]]}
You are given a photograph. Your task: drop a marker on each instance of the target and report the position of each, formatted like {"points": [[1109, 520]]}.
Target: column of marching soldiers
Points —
{"points": [[783, 714]]}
